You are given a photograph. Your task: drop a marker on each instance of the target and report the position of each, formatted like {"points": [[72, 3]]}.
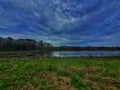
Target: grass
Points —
{"points": [[68, 73]]}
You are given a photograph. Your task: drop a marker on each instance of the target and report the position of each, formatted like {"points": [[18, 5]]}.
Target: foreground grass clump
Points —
{"points": [[74, 73]]}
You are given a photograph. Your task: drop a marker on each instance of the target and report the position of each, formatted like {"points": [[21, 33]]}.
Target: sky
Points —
{"points": [[62, 22]]}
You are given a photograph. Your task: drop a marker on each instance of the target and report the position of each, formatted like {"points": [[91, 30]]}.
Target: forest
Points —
{"points": [[10, 44]]}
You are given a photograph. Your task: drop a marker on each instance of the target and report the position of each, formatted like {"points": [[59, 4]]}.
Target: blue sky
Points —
{"points": [[62, 22]]}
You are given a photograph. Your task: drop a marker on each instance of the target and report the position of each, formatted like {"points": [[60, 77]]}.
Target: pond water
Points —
{"points": [[85, 53], [62, 54]]}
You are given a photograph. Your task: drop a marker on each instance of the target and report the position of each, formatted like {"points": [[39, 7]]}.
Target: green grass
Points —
{"points": [[73, 73]]}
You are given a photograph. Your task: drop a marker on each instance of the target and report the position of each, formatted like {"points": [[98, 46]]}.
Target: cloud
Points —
{"points": [[62, 22]]}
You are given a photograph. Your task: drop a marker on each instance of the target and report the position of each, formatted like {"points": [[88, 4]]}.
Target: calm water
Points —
{"points": [[85, 53], [62, 54]]}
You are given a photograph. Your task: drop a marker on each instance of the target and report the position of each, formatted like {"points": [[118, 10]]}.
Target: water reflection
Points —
{"points": [[61, 54], [85, 53], [39, 54]]}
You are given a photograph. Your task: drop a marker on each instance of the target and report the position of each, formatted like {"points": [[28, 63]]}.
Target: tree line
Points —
{"points": [[80, 48], [10, 44]]}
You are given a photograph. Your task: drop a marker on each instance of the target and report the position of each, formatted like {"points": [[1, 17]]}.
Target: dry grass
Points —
{"points": [[60, 74]]}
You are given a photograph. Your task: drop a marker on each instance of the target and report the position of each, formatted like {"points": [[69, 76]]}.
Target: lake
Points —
{"points": [[85, 53], [61, 54]]}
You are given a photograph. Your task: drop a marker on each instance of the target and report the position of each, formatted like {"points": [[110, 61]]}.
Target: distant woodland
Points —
{"points": [[10, 44], [81, 48]]}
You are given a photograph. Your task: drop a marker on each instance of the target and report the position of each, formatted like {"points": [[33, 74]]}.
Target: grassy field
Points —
{"points": [[73, 73]]}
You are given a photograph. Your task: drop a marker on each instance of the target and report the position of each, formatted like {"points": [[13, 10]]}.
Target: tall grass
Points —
{"points": [[74, 73]]}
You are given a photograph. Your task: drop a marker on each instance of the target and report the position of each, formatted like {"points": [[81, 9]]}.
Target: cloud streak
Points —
{"points": [[62, 22]]}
